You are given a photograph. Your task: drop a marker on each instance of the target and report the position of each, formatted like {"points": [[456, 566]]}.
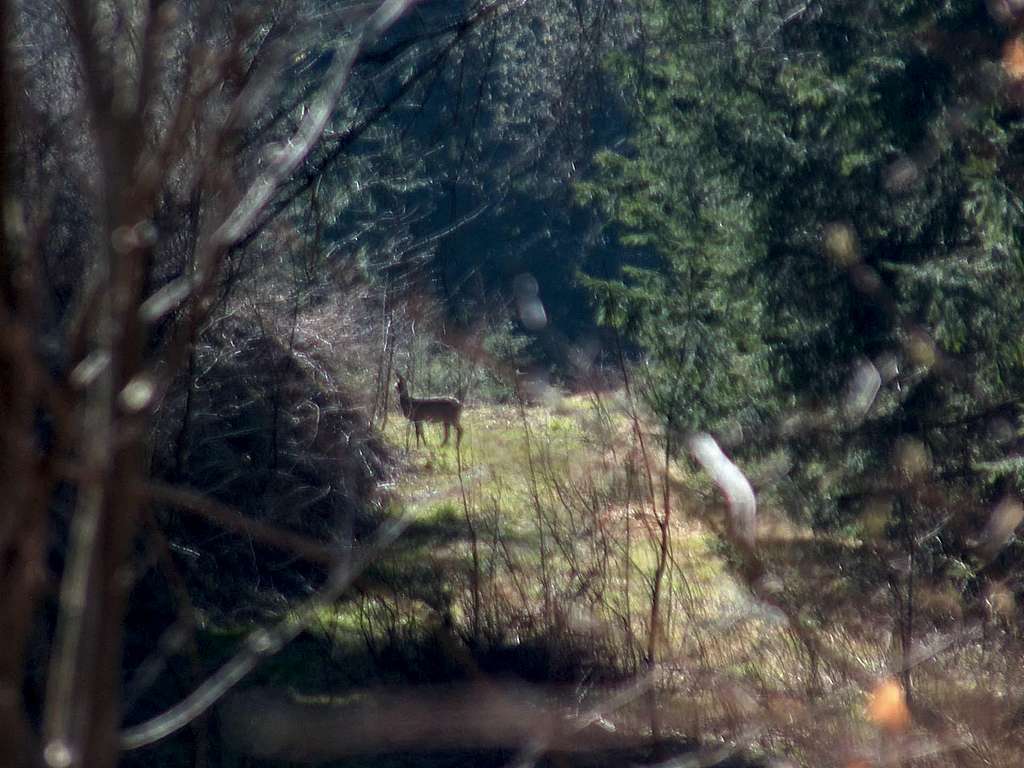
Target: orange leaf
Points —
{"points": [[1013, 58], [887, 707]]}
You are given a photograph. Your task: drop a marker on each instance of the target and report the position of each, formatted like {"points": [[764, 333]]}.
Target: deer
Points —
{"points": [[440, 410]]}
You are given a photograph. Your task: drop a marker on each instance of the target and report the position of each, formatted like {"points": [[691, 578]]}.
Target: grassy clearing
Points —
{"points": [[550, 527], [533, 550], [550, 536], [494, 446]]}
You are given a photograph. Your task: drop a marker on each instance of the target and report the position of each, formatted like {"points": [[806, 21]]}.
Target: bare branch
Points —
{"points": [[310, 129], [733, 484], [234, 521], [261, 644]]}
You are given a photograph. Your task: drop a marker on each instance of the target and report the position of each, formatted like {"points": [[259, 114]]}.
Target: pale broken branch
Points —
{"points": [[733, 484]]}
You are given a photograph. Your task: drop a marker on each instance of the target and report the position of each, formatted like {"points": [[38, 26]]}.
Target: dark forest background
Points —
{"points": [[730, 293]]}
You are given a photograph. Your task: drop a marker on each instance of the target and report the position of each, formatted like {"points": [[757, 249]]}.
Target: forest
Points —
{"points": [[569, 383]]}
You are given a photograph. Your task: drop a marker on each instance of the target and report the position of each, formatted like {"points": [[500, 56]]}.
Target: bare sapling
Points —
{"points": [[440, 410]]}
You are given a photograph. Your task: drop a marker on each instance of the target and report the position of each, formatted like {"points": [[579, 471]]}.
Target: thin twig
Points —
{"points": [[261, 644]]}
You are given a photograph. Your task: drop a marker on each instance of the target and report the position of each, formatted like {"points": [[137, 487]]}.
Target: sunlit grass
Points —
{"points": [[530, 533], [518, 466], [565, 541]]}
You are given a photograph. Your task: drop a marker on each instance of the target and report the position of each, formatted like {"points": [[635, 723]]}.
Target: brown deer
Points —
{"points": [[441, 410]]}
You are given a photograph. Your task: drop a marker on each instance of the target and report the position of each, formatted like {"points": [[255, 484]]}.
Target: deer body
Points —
{"points": [[440, 410]]}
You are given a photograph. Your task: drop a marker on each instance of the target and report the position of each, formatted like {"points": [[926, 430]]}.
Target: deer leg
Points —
{"points": [[445, 434], [419, 434], [458, 435]]}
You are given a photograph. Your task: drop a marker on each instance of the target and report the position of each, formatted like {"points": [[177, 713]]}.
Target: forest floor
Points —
{"points": [[544, 522], [542, 526], [531, 556]]}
